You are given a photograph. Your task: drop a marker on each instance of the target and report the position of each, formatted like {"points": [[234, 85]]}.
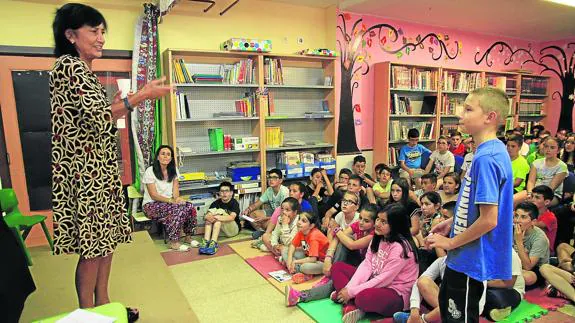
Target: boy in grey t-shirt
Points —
{"points": [[273, 197], [531, 243]]}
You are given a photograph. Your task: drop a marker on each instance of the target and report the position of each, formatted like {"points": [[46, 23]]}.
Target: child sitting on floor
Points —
{"points": [[306, 253], [348, 214], [382, 188], [382, 283], [221, 216], [286, 228], [451, 184], [349, 245], [441, 160]]}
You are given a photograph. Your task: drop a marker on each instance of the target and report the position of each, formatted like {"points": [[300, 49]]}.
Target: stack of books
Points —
{"points": [[273, 72], [461, 81], [207, 78], [274, 137]]}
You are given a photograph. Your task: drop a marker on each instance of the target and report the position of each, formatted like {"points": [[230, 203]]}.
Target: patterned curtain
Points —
{"points": [[146, 66]]}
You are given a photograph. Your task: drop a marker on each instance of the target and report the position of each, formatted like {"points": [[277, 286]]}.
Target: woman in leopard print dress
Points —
{"points": [[88, 202]]}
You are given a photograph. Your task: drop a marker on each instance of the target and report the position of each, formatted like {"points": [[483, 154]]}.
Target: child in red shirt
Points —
{"points": [[307, 251], [457, 148], [541, 196]]}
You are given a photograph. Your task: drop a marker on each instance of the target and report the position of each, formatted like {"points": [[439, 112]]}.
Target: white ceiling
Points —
{"points": [[536, 20]]}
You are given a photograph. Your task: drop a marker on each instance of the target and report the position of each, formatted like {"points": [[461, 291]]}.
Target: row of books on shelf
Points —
{"points": [[403, 77], [399, 129], [404, 105], [504, 83], [448, 129], [274, 137], [452, 105], [394, 156], [242, 72], [530, 107], [244, 107], [460, 81], [533, 85], [273, 71]]}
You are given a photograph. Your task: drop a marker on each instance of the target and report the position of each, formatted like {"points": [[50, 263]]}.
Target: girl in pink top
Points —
{"points": [[382, 283]]}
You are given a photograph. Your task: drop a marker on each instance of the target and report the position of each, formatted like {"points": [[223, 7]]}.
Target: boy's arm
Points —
{"points": [[404, 167], [429, 165], [346, 240], [486, 221], [370, 195], [328, 185], [517, 181], [527, 262], [256, 205], [499, 283]]}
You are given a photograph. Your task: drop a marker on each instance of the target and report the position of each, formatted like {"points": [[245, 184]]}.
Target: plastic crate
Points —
{"points": [[238, 174]]}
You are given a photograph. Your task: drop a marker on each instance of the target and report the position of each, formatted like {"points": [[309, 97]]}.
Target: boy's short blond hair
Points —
{"points": [[492, 100]]}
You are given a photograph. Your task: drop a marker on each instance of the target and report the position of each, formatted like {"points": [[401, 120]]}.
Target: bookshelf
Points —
{"points": [[287, 92], [401, 87], [409, 95]]}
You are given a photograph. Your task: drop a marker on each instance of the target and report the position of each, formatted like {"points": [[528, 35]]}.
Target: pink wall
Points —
{"points": [[469, 44]]}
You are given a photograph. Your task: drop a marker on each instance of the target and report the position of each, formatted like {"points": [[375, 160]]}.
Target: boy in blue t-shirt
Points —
{"points": [[410, 157], [482, 228]]}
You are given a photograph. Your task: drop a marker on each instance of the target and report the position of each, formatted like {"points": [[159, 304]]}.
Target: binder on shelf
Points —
{"points": [[216, 137]]}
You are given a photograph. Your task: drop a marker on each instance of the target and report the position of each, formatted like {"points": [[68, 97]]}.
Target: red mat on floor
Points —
{"points": [[264, 264], [537, 296]]}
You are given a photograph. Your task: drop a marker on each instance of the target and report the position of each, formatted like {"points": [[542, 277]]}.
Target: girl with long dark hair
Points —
{"points": [[382, 283]]}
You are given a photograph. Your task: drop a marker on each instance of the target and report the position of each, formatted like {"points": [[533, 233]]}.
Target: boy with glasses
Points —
{"points": [[272, 198], [222, 216]]}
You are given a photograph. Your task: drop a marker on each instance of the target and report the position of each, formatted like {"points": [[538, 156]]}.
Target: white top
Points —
{"points": [[340, 220], [442, 161], [519, 285], [163, 187], [524, 151]]}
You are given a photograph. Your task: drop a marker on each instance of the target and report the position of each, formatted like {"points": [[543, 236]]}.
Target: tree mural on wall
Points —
{"points": [[553, 59], [355, 59]]}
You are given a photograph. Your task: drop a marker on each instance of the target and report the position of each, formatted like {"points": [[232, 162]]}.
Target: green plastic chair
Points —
{"points": [[19, 223]]}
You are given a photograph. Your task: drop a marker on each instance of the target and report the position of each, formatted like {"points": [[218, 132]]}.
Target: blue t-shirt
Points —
{"points": [[489, 180], [412, 155]]}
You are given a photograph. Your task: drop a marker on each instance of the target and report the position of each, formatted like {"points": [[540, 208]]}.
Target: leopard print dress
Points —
{"points": [[88, 202]]}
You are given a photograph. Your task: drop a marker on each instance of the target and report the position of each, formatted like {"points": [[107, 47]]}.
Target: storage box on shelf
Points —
{"points": [[412, 96], [235, 97]]}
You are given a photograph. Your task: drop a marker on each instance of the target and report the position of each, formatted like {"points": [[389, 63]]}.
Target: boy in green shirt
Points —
{"points": [[519, 165]]}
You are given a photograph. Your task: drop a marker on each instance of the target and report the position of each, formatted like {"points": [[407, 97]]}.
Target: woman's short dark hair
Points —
{"points": [[171, 166], [73, 16]]}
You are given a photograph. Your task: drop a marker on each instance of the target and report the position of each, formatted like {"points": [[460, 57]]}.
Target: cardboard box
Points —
{"points": [[247, 45], [246, 143]]}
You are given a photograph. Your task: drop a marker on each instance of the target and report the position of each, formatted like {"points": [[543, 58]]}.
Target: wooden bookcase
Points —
{"points": [[303, 90], [520, 88]]}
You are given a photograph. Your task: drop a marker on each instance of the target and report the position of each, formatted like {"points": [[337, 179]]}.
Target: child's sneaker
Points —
{"points": [[300, 278], [205, 249], [351, 314], [553, 292], [212, 248], [500, 314], [292, 296], [400, 317], [263, 247], [203, 243], [257, 243]]}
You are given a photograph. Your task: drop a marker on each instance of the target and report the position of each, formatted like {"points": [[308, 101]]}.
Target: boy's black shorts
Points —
{"points": [[459, 297]]}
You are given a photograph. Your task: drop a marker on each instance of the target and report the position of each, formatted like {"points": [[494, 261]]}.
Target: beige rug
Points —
{"points": [[140, 278]]}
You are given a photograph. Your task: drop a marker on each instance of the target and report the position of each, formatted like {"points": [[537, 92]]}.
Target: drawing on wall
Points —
{"points": [[355, 58], [553, 59]]}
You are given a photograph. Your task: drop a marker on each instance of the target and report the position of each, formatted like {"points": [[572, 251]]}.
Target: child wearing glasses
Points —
{"points": [[268, 202], [222, 217]]}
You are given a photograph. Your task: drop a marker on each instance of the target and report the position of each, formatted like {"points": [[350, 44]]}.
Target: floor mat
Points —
{"points": [[538, 296], [245, 250], [178, 257], [525, 311], [264, 264], [324, 310]]}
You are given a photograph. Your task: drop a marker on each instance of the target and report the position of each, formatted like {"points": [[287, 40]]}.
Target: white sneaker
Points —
{"points": [[194, 244]]}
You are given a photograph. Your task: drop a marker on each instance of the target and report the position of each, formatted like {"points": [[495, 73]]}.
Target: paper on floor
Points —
{"points": [[83, 316]]}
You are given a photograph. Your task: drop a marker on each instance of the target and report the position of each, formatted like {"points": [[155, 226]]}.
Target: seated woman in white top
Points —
{"points": [[162, 199]]}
